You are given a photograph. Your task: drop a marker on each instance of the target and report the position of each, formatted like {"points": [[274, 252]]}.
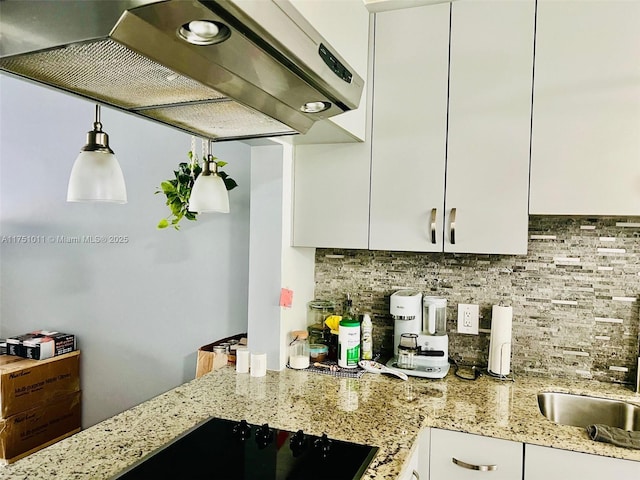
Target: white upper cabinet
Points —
{"points": [[345, 25], [331, 196], [409, 128], [331, 189], [585, 153], [457, 183], [491, 75]]}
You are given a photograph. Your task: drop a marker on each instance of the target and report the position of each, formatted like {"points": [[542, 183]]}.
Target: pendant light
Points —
{"points": [[96, 175], [209, 193]]}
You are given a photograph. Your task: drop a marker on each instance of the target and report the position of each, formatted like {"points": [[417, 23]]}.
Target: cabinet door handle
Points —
{"points": [[481, 468], [433, 225], [452, 226], [415, 475]]}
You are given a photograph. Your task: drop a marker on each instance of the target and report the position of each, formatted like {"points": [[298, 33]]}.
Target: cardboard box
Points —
{"points": [[25, 383], [41, 344], [36, 428], [4, 359], [207, 361]]}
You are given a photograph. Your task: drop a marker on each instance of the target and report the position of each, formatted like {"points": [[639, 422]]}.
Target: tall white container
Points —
{"points": [[348, 343]]}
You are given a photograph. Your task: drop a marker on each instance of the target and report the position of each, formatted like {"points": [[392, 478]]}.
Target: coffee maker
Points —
{"points": [[420, 340]]}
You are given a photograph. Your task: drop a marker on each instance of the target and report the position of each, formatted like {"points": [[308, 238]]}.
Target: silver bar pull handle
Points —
{"points": [[480, 468], [415, 475], [433, 225], [452, 226]]}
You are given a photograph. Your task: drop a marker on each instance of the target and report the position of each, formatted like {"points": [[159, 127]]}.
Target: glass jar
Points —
{"points": [[317, 312], [318, 352], [299, 350]]}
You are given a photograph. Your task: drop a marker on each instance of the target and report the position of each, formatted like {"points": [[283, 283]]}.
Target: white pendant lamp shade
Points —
{"points": [[96, 175], [209, 194]]}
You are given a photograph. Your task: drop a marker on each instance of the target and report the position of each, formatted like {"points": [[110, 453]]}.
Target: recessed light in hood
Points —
{"points": [[153, 59], [315, 107], [204, 32]]}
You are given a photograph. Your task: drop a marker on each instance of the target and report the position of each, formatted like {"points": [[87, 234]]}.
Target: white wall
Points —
{"points": [[140, 309], [298, 264], [265, 254], [273, 263]]}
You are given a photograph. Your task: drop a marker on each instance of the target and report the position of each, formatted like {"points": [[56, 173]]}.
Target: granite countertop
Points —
{"points": [[375, 409]]}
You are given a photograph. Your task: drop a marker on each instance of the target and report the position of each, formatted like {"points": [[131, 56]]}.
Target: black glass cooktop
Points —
{"points": [[230, 450]]}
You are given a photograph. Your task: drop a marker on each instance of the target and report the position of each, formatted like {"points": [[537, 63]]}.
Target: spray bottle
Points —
{"points": [[367, 337]]}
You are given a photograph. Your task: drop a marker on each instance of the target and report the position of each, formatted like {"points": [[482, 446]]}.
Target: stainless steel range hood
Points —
{"points": [[136, 55]]}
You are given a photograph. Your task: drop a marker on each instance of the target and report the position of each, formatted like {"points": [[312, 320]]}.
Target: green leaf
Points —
{"points": [[164, 223], [176, 208], [221, 163], [230, 183], [167, 187]]}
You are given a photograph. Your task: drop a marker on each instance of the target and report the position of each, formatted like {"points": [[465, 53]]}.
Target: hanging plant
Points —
{"points": [[178, 190]]}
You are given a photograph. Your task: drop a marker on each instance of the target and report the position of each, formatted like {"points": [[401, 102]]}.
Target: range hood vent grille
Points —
{"points": [[219, 120], [109, 72]]}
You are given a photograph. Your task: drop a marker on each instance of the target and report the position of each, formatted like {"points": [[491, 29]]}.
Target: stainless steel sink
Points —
{"points": [[581, 410]]}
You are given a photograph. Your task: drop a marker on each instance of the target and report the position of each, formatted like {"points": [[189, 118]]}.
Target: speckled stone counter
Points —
{"points": [[376, 409]]}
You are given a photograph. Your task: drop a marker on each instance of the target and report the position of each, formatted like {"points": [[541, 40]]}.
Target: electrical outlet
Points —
{"points": [[468, 318]]}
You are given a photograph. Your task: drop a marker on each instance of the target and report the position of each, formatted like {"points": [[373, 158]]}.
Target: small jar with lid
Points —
{"points": [[318, 352], [318, 311], [299, 350]]}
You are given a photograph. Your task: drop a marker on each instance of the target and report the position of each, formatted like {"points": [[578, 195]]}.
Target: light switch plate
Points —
{"points": [[468, 318]]}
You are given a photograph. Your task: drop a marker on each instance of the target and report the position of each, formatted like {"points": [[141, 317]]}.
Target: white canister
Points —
{"points": [[348, 343], [258, 364], [242, 360]]}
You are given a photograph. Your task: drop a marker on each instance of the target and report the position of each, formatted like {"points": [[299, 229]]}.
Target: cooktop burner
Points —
{"points": [[230, 450]]}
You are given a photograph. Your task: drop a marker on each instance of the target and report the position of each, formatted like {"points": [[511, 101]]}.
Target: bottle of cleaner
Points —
{"points": [[367, 337], [348, 338]]}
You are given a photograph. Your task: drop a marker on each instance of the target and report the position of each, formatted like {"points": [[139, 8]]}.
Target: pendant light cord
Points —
{"points": [[194, 157]]}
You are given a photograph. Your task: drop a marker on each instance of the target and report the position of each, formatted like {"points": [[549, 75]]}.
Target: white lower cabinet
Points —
{"points": [[424, 452], [417, 466], [448, 455], [465, 456], [544, 463], [410, 471]]}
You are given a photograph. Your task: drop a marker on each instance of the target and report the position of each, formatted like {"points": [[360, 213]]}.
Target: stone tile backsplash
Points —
{"points": [[575, 295]]}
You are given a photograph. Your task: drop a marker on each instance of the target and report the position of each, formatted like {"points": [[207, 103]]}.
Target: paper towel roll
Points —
{"points": [[500, 342]]}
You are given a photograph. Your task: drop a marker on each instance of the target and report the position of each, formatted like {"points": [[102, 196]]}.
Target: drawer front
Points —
{"points": [[464, 456], [544, 463]]}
